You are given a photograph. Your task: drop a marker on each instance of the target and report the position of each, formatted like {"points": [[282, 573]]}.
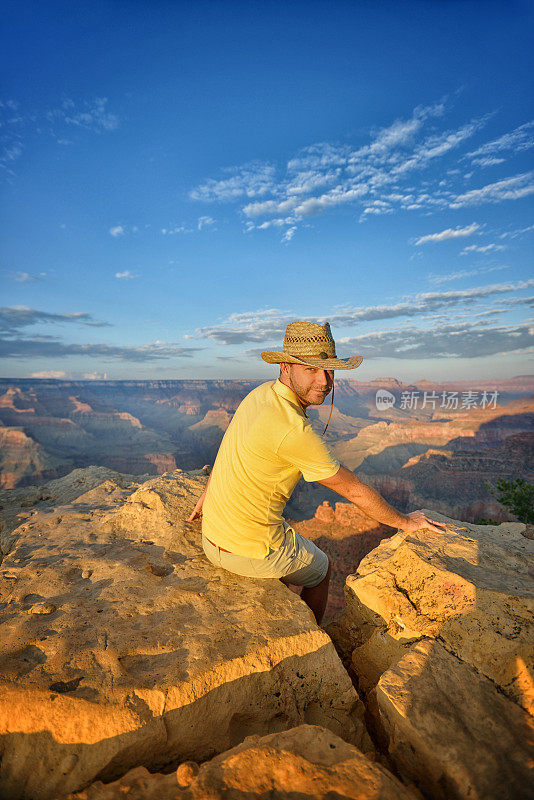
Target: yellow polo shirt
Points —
{"points": [[268, 445]]}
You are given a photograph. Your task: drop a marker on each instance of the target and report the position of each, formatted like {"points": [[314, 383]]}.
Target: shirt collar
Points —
{"points": [[288, 394]]}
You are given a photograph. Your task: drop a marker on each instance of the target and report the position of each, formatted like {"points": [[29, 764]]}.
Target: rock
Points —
{"points": [[186, 773], [470, 587], [305, 762], [42, 608], [325, 513], [22, 460], [450, 729], [152, 656], [437, 634]]}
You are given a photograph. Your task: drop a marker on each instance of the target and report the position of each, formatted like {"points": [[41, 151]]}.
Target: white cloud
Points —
{"points": [[205, 222], [324, 176], [288, 235], [176, 229], [488, 161], [126, 274], [486, 248], [201, 224], [453, 276], [517, 232], [457, 340], [92, 115], [11, 152], [522, 138], [449, 233], [518, 301], [512, 188], [268, 325], [317, 157], [373, 176], [118, 230], [250, 180], [12, 318], [25, 277], [271, 207], [438, 145], [48, 373], [307, 181]]}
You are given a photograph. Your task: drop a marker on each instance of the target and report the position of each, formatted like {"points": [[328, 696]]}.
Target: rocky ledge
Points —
{"points": [[304, 762], [123, 646], [132, 668], [437, 634]]}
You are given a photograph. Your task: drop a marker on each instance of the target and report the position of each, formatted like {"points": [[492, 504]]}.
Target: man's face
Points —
{"points": [[311, 384]]}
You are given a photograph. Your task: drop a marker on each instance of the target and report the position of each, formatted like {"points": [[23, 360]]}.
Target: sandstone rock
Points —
{"points": [[450, 730], [469, 587], [437, 630], [152, 655], [22, 460], [305, 762]]}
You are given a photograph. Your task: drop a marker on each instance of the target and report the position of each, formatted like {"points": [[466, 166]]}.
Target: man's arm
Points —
{"points": [[197, 511], [345, 483]]}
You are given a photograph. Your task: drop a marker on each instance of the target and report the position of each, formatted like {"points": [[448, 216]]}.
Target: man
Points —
{"points": [[267, 447]]}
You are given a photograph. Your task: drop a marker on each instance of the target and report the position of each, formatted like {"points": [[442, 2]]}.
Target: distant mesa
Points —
{"points": [[415, 456]]}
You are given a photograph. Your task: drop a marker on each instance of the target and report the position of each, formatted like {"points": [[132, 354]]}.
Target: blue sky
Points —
{"points": [[181, 180]]}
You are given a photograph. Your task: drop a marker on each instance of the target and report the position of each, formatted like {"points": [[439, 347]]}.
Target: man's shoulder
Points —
{"points": [[260, 395], [267, 415]]}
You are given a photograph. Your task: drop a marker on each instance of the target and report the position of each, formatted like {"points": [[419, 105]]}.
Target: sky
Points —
{"points": [[181, 180]]}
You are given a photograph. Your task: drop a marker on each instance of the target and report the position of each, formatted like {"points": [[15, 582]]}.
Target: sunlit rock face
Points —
{"points": [[437, 632], [123, 646], [304, 762], [22, 460]]}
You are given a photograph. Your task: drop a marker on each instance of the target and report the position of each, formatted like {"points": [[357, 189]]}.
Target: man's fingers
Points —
{"points": [[439, 527]]}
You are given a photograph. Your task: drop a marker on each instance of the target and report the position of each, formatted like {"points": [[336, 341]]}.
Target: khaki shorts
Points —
{"points": [[297, 561]]}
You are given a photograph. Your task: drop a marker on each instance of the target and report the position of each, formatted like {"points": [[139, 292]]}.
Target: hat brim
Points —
{"points": [[274, 357]]}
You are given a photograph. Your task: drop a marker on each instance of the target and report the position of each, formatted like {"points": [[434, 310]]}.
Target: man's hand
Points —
{"points": [[417, 520], [196, 513]]}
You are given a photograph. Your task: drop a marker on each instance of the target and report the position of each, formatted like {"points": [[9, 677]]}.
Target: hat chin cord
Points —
{"points": [[331, 409]]}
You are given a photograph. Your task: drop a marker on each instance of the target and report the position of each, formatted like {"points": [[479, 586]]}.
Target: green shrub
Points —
{"points": [[517, 496]]}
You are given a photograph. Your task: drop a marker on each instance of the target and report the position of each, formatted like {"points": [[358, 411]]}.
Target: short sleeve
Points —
{"points": [[304, 449]]}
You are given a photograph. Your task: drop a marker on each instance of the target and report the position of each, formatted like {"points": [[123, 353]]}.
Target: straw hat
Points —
{"points": [[311, 344]]}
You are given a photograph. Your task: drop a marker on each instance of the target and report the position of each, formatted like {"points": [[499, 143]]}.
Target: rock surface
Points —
{"points": [[305, 762], [122, 645], [452, 731], [437, 631], [469, 587]]}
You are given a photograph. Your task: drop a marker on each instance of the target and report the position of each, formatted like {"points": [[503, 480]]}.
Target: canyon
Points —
{"points": [[436, 445]]}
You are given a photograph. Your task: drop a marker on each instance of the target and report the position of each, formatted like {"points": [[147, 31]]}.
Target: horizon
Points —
{"points": [[366, 164], [383, 379]]}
